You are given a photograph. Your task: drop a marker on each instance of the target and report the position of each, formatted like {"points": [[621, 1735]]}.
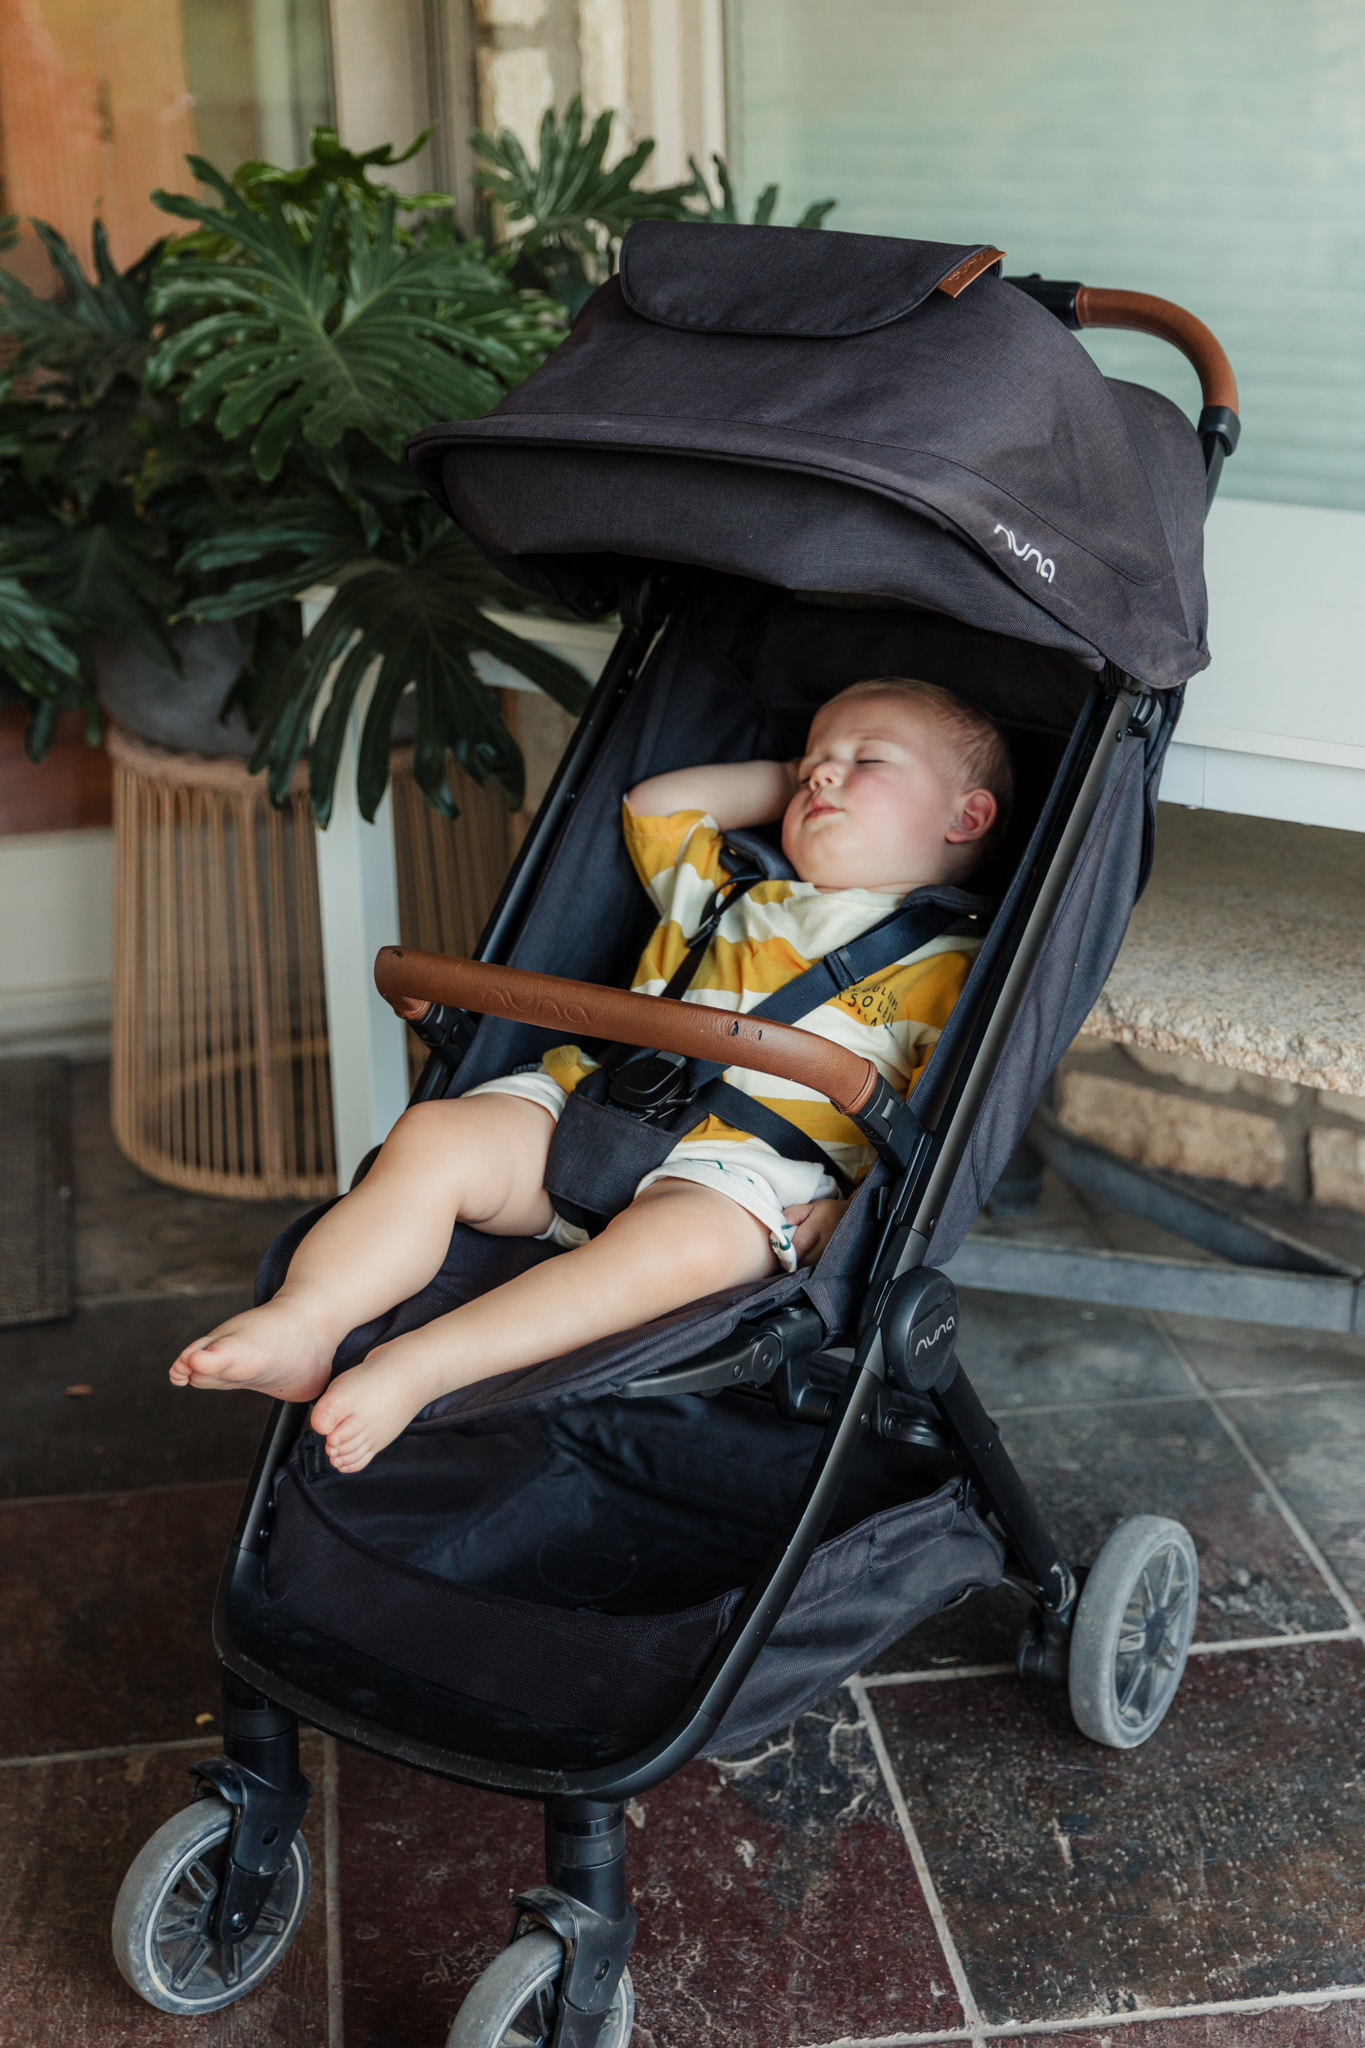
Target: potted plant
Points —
{"points": [[188, 444]]}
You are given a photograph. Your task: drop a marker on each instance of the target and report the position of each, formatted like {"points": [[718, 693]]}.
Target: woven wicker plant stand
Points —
{"points": [[220, 1078]]}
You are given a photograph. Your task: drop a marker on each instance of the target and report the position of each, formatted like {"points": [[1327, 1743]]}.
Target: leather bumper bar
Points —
{"points": [[412, 981]]}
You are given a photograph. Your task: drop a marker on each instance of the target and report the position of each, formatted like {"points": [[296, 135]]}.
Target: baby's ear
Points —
{"points": [[976, 812]]}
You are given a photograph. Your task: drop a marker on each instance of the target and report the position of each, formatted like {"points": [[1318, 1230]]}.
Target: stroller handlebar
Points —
{"points": [[413, 981], [1143, 314], [1088, 305]]}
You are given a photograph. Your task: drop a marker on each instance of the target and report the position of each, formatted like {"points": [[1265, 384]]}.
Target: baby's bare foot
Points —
{"points": [[367, 1407], [276, 1349]]}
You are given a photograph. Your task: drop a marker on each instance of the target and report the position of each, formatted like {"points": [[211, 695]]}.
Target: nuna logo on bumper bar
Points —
{"points": [[1044, 564]]}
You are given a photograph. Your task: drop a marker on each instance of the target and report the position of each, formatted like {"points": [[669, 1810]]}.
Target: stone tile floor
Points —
{"points": [[933, 1855]]}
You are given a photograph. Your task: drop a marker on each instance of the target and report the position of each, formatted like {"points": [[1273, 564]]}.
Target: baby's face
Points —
{"points": [[880, 803]]}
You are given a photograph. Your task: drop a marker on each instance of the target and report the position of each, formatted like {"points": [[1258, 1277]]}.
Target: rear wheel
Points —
{"points": [[161, 1935], [1133, 1629], [513, 2003]]}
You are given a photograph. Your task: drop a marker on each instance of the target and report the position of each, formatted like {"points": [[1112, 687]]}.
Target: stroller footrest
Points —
{"points": [[750, 1356]]}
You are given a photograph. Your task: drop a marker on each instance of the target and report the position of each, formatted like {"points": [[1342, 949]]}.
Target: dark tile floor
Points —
{"points": [[933, 1855]]}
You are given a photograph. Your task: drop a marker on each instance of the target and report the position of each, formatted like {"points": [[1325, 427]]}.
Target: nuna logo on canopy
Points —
{"points": [[1043, 564]]}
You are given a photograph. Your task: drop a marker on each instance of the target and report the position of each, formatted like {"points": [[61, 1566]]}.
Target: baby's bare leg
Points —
{"points": [[480, 1160], [675, 1243]]}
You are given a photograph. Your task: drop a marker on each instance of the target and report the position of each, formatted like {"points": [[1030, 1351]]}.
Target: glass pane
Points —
{"points": [[1210, 151], [100, 102], [258, 76]]}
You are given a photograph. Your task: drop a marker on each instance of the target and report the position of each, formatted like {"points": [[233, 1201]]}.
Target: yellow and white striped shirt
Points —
{"points": [[772, 934]]}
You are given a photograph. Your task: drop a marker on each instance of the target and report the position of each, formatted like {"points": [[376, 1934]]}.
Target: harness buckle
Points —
{"points": [[650, 1084]]}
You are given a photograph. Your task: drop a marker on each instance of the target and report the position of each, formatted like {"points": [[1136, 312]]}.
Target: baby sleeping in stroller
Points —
{"points": [[901, 786]]}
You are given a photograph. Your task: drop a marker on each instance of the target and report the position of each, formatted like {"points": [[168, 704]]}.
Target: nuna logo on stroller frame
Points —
{"points": [[1044, 564], [944, 1329]]}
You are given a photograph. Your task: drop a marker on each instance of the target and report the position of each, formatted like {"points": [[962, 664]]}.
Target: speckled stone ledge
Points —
{"points": [[1247, 950]]}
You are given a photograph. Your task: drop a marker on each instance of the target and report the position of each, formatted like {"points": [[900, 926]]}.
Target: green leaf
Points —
{"points": [[276, 342], [575, 207], [725, 207], [291, 543], [332, 171], [376, 745], [36, 640], [817, 213], [324, 755], [100, 573], [421, 624], [269, 638], [91, 333], [41, 729]]}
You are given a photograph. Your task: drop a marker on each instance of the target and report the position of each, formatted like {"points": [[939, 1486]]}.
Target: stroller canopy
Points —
{"points": [[820, 412]]}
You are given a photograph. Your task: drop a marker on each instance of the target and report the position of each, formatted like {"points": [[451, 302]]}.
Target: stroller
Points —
{"points": [[789, 461]]}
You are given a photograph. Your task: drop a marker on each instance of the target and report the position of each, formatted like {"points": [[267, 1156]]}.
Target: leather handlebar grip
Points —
{"points": [[1141, 313], [412, 981]]}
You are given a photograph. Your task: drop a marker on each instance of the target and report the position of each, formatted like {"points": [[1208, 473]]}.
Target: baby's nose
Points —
{"points": [[824, 772]]}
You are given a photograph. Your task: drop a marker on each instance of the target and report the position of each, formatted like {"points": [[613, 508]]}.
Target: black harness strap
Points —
{"points": [[723, 896], [743, 877], [927, 916], [623, 1120], [909, 927], [747, 1113]]}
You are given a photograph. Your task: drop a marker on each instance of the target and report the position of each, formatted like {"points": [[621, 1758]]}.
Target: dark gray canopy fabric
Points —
{"points": [[809, 410]]}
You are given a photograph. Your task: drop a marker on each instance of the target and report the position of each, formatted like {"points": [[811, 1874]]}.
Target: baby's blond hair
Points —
{"points": [[979, 748]]}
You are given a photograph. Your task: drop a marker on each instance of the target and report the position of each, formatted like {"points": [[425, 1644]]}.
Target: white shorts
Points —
{"points": [[746, 1170]]}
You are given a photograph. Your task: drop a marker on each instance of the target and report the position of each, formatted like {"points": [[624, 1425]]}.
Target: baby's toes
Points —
{"points": [[348, 1451], [208, 1358], [328, 1414], [342, 1436], [334, 1418]]}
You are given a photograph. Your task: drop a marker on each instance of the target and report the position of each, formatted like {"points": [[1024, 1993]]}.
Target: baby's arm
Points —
{"points": [[735, 793]]}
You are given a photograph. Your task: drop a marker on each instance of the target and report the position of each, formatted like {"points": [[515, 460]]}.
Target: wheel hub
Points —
{"points": [[192, 1960], [1151, 1629], [1155, 1633]]}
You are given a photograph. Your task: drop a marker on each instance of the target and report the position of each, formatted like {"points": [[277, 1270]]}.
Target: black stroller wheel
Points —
{"points": [[513, 2003], [1134, 1625], [161, 1940]]}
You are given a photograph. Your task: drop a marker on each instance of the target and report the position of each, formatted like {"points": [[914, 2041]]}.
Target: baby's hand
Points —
{"points": [[814, 1224]]}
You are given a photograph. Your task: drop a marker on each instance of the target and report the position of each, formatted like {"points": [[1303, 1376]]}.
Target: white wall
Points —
{"points": [[56, 940], [1275, 727]]}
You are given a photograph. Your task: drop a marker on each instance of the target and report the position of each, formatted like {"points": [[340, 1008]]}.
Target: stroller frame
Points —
{"points": [[781, 1343], [904, 1380]]}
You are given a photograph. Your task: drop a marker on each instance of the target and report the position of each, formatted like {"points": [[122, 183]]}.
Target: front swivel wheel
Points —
{"points": [[513, 2003], [1134, 1625], [162, 1939]]}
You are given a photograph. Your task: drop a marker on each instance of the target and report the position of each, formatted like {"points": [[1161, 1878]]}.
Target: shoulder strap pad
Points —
{"points": [[745, 851]]}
